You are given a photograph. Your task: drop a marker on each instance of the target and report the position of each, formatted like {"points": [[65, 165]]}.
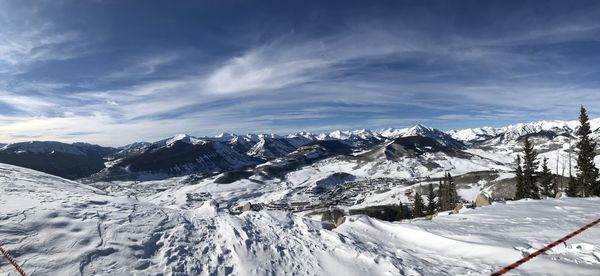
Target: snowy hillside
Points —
{"points": [[70, 161], [54, 226]]}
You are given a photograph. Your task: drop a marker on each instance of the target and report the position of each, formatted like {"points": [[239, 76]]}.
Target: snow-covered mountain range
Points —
{"points": [[378, 151], [512, 133]]}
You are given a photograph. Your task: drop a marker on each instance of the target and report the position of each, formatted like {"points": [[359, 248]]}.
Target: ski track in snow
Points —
{"points": [[54, 226]]}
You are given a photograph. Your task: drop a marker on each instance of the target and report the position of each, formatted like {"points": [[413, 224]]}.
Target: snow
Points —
{"points": [[134, 147], [183, 138], [512, 132], [471, 193], [54, 226], [46, 147]]}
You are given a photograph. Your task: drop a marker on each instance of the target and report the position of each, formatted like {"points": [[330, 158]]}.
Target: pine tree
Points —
{"points": [[547, 189], [529, 175], [452, 195], [400, 215], [587, 173], [520, 192], [447, 196], [442, 195], [419, 206], [431, 201], [406, 212], [572, 187]]}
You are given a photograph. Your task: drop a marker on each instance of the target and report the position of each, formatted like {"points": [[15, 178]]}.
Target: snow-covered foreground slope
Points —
{"points": [[58, 227]]}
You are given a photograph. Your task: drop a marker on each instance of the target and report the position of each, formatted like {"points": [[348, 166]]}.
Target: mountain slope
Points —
{"points": [[184, 154], [269, 148], [70, 161], [54, 226], [175, 157], [437, 135]]}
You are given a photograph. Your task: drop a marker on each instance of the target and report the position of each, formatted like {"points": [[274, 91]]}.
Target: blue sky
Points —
{"points": [[114, 72]]}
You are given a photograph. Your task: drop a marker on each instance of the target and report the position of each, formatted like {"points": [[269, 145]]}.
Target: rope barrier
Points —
{"points": [[12, 261], [544, 249]]}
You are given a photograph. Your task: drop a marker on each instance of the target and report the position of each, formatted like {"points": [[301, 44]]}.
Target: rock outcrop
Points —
{"points": [[482, 200]]}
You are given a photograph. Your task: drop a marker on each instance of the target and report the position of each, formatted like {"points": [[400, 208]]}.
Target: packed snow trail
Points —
{"points": [[59, 227]]}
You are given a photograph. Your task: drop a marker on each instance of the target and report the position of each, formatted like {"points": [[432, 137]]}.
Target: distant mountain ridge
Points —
{"points": [[185, 154], [514, 132], [71, 161]]}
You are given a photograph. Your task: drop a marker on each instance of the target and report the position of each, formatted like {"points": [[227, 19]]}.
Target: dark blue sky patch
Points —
{"points": [[113, 72]]}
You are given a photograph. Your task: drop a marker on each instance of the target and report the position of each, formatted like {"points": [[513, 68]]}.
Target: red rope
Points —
{"points": [[12, 261], [544, 249]]}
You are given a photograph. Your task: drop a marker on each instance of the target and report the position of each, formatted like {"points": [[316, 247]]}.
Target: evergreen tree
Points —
{"points": [[447, 196], [530, 164], [572, 187], [407, 212], [431, 201], [419, 206], [401, 212], [442, 195], [452, 195], [547, 189], [520, 192], [587, 173]]}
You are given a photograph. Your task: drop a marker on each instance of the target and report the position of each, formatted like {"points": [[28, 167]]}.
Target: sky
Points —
{"points": [[115, 72]]}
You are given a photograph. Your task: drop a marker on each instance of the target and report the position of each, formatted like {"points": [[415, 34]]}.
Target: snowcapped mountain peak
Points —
{"points": [[429, 132], [268, 135], [181, 136], [185, 138], [391, 133], [225, 135], [340, 135], [363, 133], [419, 130], [422, 126], [303, 135]]}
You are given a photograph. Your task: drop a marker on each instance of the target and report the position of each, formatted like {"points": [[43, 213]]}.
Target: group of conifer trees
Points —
{"points": [[526, 172], [536, 185], [446, 198]]}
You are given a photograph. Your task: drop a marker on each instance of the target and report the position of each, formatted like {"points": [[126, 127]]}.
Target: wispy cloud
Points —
{"points": [[27, 104], [388, 72], [292, 61], [144, 66], [19, 50]]}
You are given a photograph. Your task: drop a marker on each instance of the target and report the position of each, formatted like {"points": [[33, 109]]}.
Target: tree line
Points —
{"points": [[446, 195], [534, 184]]}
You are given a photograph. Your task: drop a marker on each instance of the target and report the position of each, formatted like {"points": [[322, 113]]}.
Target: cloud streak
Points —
{"points": [[387, 71]]}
